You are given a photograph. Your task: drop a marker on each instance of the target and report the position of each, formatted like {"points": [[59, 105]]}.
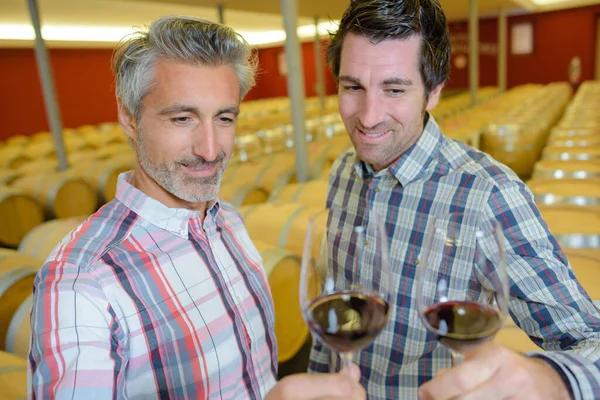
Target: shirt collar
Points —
{"points": [[174, 220], [410, 164]]}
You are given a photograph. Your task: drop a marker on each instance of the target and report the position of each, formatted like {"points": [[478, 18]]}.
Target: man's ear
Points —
{"points": [[127, 121], [434, 97]]}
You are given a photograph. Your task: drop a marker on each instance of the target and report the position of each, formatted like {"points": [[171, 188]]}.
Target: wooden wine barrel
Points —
{"points": [[13, 157], [578, 169], [19, 213], [61, 195], [571, 153], [242, 195], [102, 176], [283, 271], [513, 145], [13, 377], [16, 284], [581, 192], [37, 149], [42, 239], [312, 194], [281, 225], [573, 226], [18, 334], [42, 165]]}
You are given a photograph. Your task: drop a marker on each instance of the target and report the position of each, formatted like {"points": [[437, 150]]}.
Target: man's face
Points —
{"points": [[382, 97], [186, 131]]}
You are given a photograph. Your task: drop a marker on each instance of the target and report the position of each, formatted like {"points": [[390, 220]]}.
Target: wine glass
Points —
{"points": [[345, 280], [462, 283]]}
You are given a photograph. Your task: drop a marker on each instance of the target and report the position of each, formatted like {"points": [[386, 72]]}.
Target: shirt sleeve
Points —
{"points": [[76, 343], [546, 300]]}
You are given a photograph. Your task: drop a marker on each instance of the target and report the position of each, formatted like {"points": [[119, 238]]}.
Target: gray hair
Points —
{"points": [[186, 39]]}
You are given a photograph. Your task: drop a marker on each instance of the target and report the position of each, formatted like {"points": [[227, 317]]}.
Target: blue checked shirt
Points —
{"points": [[436, 176]]}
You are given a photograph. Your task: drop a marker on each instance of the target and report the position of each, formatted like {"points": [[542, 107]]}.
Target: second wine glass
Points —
{"points": [[345, 280], [462, 283]]}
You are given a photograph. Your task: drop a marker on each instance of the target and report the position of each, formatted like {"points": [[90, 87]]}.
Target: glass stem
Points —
{"points": [[457, 358], [346, 360]]}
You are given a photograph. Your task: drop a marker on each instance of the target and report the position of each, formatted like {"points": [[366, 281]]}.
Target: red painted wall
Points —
{"points": [[84, 88], [271, 83], [558, 37], [84, 81]]}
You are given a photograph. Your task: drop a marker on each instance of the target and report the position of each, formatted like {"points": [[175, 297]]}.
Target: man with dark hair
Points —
{"points": [[391, 59]]}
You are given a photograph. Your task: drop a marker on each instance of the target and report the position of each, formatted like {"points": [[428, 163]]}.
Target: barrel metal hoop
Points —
{"points": [[15, 324], [288, 226], [578, 240], [550, 199]]}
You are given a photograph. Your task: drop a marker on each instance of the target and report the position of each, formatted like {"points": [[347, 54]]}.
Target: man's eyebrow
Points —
{"points": [[397, 81], [229, 110], [177, 108], [350, 79]]}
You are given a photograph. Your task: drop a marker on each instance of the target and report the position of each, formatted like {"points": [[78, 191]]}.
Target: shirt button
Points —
{"points": [[377, 189], [366, 242], [416, 261]]}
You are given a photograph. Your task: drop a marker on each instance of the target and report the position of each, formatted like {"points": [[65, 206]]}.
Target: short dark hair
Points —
{"points": [[379, 20]]}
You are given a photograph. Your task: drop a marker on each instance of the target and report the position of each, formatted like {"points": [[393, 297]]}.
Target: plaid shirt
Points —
{"points": [[436, 176], [143, 301]]}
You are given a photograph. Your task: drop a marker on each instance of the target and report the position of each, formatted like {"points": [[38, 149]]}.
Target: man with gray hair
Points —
{"points": [[161, 293]]}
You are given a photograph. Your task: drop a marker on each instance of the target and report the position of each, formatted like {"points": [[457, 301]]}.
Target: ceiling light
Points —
{"points": [[71, 33]]}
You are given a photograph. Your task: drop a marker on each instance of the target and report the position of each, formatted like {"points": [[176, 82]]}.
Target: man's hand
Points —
{"points": [[494, 372], [342, 385]]}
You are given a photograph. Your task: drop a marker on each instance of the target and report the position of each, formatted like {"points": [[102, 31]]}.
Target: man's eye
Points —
{"points": [[395, 91], [181, 120], [352, 88]]}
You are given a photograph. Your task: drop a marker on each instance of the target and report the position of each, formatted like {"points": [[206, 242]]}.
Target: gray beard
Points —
{"points": [[184, 187]]}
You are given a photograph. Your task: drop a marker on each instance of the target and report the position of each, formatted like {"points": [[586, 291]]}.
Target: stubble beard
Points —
{"points": [[172, 178]]}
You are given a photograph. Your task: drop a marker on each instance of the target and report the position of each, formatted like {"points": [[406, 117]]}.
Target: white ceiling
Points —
{"points": [[243, 15]]}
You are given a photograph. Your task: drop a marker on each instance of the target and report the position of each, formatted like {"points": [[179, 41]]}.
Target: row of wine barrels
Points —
{"points": [[281, 225], [312, 194], [579, 192], [61, 194], [571, 153], [19, 213], [17, 273], [13, 377], [579, 169]]}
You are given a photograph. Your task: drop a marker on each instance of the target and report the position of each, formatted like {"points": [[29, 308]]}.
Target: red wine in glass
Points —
{"points": [[463, 325], [347, 321]]}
